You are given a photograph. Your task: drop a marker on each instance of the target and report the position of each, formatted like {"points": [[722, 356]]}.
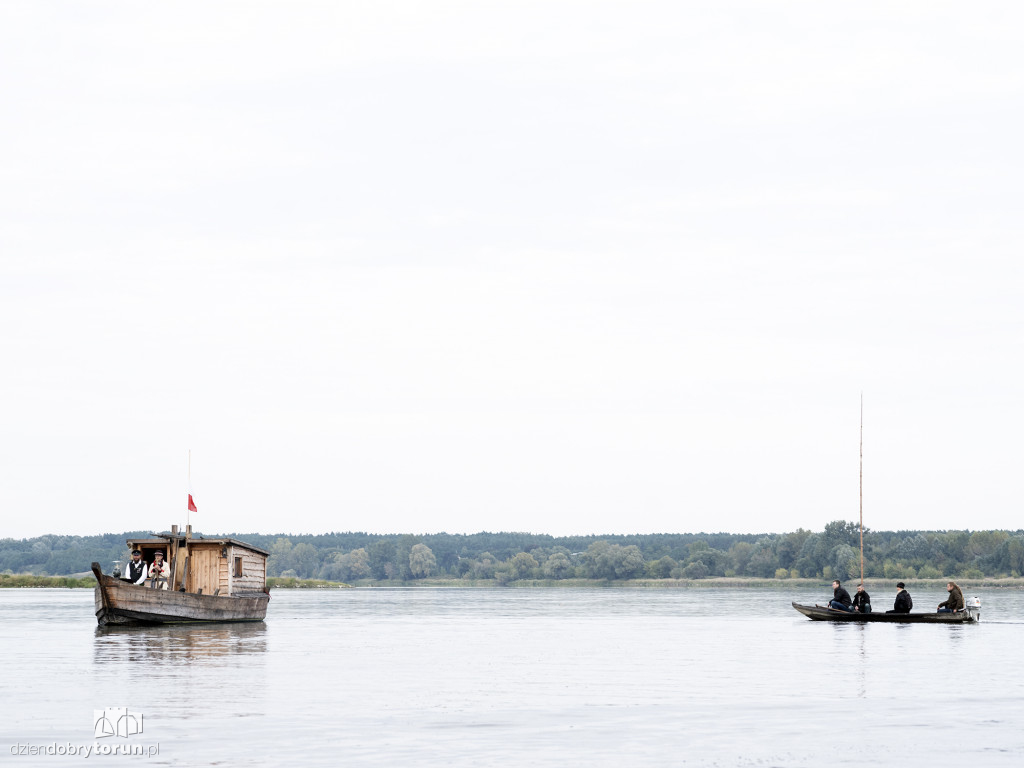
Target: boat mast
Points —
{"points": [[861, 487]]}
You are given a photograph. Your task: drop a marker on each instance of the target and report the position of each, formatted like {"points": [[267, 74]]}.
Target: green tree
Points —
{"points": [[598, 562], [557, 566], [484, 567], [523, 566], [696, 570], [357, 563], [845, 562], [985, 543], [629, 562], [789, 546], [347, 567], [382, 559], [716, 560], [280, 559], [305, 560], [1014, 556], [740, 553], [896, 570], [613, 561], [762, 559], [841, 532], [953, 545], [422, 562], [661, 568], [333, 568]]}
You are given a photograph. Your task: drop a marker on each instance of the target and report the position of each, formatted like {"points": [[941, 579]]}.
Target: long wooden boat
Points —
{"points": [[120, 602], [208, 580], [972, 615]]}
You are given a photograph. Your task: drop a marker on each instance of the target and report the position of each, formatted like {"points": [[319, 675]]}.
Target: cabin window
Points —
{"points": [[238, 567]]}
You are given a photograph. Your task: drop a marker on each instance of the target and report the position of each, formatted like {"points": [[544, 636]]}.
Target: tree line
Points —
{"points": [[507, 557]]}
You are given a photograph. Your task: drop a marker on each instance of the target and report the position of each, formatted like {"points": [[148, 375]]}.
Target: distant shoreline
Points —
{"points": [[879, 586]]}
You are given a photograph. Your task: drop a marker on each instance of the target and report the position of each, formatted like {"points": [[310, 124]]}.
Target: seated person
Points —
{"points": [[956, 599], [903, 602], [159, 572], [136, 571], [862, 600], [840, 598]]}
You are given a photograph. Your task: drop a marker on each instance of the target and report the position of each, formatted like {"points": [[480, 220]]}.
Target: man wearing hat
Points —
{"points": [[159, 571], [136, 571], [903, 602]]}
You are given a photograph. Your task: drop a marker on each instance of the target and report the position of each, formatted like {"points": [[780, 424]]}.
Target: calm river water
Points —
{"points": [[545, 677]]}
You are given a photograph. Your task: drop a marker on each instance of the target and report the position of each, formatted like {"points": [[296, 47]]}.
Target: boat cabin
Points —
{"points": [[207, 566]]}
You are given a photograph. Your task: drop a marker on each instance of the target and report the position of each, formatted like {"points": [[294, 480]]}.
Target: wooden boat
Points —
{"points": [[209, 580], [971, 615]]}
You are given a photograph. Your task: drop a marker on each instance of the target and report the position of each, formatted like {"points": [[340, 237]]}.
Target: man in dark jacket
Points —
{"points": [[956, 599], [840, 598], [903, 602], [862, 600]]}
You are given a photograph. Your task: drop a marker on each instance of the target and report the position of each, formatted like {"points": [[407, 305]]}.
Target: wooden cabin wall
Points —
{"points": [[254, 571], [203, 569], [224, 571]]}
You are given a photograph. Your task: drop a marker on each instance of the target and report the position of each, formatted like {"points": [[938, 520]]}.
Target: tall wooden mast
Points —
{"points": [[861, 487]]}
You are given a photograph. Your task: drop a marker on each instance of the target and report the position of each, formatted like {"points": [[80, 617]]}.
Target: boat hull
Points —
{"points": [[821, 613], [119, 602]]}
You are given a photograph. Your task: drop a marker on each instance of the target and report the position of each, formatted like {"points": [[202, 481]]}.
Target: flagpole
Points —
{"points": [[188, 511]]}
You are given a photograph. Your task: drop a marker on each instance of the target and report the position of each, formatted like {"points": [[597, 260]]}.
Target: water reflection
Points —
{"points": [[192, 644], [862, 662]]}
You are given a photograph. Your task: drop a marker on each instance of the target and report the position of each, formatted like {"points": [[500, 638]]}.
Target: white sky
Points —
{"points": [[562, 267]]}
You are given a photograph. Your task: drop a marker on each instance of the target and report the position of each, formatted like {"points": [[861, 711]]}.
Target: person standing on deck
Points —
{"points": [[862, 600], [136, 571], [956, 599], [903, 602], [159, 572], [840, 598]]}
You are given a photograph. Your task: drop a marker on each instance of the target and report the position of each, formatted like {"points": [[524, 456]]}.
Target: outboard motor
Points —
{"points": [[974, 608]]}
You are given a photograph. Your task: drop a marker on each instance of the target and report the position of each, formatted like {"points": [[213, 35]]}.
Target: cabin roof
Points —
{"points": [[163, 539]]}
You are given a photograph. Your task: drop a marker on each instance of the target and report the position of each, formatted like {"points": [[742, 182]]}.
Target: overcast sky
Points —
{"points": [[560, 267]]}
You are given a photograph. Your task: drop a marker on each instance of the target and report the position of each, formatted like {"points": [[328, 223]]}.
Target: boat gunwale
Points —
{"points": [[822, 613]]}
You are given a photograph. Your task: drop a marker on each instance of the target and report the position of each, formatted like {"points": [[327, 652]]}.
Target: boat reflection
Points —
{"points": [[192, 643]]}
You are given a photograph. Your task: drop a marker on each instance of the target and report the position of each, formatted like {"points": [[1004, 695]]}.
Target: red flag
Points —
{"points": [[191, 504]]}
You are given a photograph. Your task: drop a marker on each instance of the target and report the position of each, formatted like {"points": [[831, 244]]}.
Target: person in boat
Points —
{"points": [[159, 572], [862, 600], [955, 602], [840, 598], [903, 602], [136, 571]]}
